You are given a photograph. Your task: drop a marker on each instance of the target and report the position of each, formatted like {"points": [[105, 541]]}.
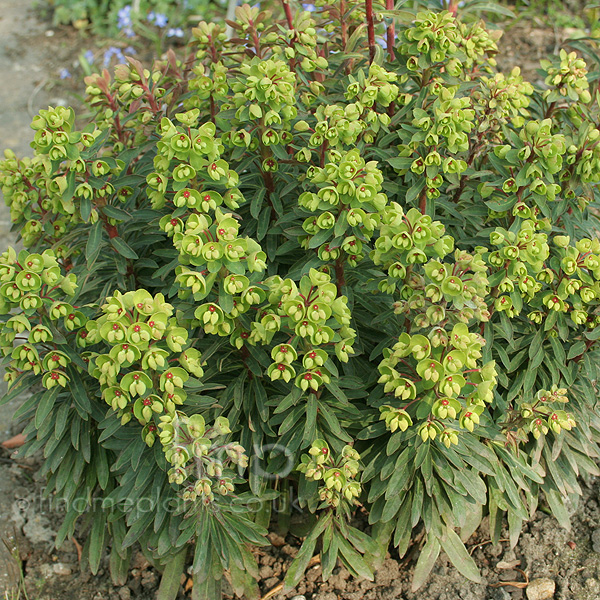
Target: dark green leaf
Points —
{"points": [[458, 555], [92, 247], [45, 406], [122, 248], [426, 561], [576, 350]]}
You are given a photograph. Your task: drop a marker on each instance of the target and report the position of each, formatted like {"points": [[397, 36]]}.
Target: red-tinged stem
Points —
{"points": [[550, 110], [343, 24], [111, 230], [423, 202], [370, 29], [213, 108], [255, 38], [288, 13], [391, 33], [324, 147]]}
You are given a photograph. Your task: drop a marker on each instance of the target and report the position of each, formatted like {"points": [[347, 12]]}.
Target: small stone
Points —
{"points": [[270, 583], [276, 540], [541, 589], [149, 579], [46, 571], [125, 593], [501, 594], [62, 569], [289, 550], [38, 528], [596, 540], [326, 596], [299, 598], [139, 561], [266, 572]]}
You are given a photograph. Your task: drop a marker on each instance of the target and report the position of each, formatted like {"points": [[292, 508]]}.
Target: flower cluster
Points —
{"points": [[188, 158], [404, 240], [437, 37], [522, 277], [209, 79], [124, 21], [451, 120], [337, 474], [213, 245], [536, 156], [317, 316], [345, 207], [517, 262], [198, 458], [149, 361], [52, 192], [568, 78], [442, 290], [298, 45], [431, 39], [583, 158], [501, 99], [479, 47], [112, 52], [158, 19], [342, 125], [447, 292], [576, 289], [134, 90], [264, 99], [32, 292], [441, 370], [210, 39]]}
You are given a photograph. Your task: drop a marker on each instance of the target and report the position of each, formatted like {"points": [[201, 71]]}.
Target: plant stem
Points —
{"points": [[550, 110], [343, 24], [324, 146], [370, 29], [423, 202], [288, 13], [391, 33]]}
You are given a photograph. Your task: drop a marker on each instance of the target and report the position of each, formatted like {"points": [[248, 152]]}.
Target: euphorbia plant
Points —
{"points": [[293, 261]]}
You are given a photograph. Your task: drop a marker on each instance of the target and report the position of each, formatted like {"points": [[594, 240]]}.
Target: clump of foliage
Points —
{"points": [[287, 265], [109, 17]]}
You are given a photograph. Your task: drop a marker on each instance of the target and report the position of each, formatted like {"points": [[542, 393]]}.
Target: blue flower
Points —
{"points": [[158, 19], [89, 57], [116, 52], [64, 74], [175, 32], [309, 7], [130, 50], [124, 15]]}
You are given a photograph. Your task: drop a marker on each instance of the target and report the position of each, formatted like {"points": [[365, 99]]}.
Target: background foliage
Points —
{"points": [[130, 18]]}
